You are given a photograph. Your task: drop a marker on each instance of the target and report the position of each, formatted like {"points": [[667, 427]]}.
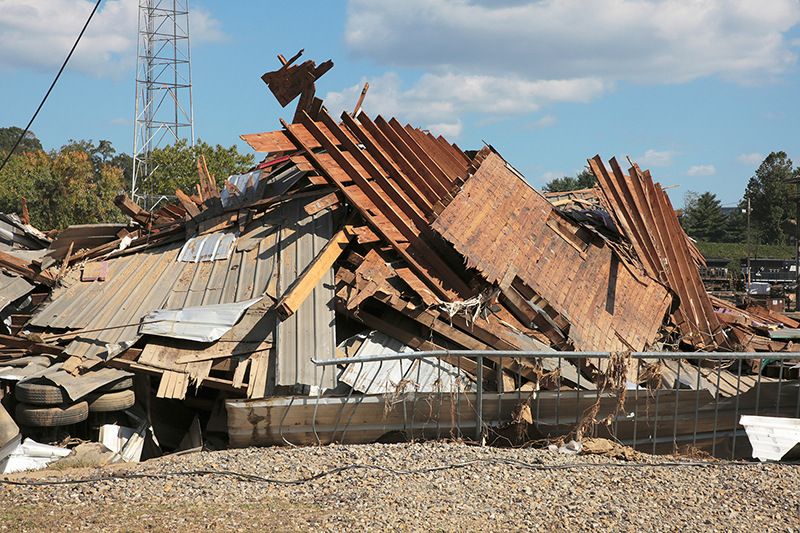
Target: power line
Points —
{"points": [[51, 86]]}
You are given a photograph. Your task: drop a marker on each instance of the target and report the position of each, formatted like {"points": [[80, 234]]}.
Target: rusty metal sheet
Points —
{"points": [[498, 220]]}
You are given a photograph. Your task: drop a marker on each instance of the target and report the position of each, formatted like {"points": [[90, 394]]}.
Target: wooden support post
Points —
{"points": [[299, 290]]}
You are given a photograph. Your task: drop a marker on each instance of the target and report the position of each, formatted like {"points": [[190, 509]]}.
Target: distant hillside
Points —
{"points": [[735, 252]]}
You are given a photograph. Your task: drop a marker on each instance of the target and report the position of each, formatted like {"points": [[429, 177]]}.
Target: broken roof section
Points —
{"points": [[357, 223]]}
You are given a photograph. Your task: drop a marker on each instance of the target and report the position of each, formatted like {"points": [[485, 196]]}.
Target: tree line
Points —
{"points": [[772, 198], [77, 183]]}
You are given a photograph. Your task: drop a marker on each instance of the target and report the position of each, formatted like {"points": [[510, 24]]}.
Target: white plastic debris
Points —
{"points": [[126, 443], [29, 455], [124, 242], [570, 448]]}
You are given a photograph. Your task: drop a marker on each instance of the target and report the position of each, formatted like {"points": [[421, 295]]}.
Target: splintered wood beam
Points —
{"points": [[187, 203], [403, 202], [361, 99], [299, 290], [29, 345], [389, 209], [380, 144], [65, 262], [130, 208], [26, 270]]}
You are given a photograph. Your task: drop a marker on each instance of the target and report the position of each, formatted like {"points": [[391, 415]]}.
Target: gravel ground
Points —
{"points": [[452, 487]]}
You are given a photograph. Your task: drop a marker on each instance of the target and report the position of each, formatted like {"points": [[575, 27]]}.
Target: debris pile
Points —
{"points": [[354, 236]]}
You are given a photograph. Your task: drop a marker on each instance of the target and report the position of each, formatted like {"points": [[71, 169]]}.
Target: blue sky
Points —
{"points": [[699, 92]]}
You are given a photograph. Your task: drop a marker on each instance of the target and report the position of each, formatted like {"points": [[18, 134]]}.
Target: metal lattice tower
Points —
{"points": [[164, 112]]}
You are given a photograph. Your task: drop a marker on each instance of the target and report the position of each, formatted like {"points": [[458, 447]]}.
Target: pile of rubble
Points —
{"points": [[354, 236]]}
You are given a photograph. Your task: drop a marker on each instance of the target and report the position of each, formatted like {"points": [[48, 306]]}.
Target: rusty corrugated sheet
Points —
{"points": [[645, 214], [497, 220]]}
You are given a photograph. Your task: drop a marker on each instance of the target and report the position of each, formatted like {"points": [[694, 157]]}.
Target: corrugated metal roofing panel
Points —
{"points": [[211, 247], [399, 376], [12, 287], [240, 182], [140, 283], [203, 324], [310, 331]]}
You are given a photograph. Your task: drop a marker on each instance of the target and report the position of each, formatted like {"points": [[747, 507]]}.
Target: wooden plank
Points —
{"points": [[302, 163], [409, 172], [318, 205], [458, 154], [32, 345], [187, 203], [274, 141], [449, 165], [259, 367], [391, 212], [302, 286], [412, 156], [517, 304], [679, 256], [65, 262], [366, 235], [26, 270], [435, 282], [396, 195], [239, 373], [218, 223]]}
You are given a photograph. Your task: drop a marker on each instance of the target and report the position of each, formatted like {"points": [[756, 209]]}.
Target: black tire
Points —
{"points": [[111, 401], [40, 392], [62, 415], [114, 386]]}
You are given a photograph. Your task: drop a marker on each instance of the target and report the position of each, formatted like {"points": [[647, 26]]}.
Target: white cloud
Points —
{"points": [[750, 159], [442, 99], [38, 35], [448, 131], [649, 41], [699, 171], [652, 158], [544, 122]]}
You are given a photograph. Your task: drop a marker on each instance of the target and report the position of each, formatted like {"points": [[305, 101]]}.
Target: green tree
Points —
{"points": [[175, 167], [771, 198], [736, 225], [61, 188], [101, 155], [702, 217], [582, 180], [9, 137]]}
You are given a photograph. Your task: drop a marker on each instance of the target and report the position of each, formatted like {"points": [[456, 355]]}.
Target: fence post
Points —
{"points": [[479, 401]]}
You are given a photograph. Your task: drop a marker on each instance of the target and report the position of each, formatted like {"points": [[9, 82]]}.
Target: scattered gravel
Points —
{"points": [[470, 489]]}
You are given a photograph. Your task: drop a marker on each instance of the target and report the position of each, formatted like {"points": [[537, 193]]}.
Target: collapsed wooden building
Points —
{"points": [[358, 236]]}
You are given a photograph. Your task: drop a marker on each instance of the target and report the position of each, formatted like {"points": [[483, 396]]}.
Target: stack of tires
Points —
{"points": [[43, 404]]}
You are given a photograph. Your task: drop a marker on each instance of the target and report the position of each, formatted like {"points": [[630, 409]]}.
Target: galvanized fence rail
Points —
{"points": [[699, 412]]}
